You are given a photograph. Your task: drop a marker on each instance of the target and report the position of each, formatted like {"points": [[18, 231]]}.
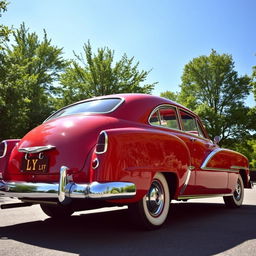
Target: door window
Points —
{"points": [[190, 124], [165, 116]]}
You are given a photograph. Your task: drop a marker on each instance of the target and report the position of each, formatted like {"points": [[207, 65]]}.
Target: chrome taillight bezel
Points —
{"points": [[5, 148], [102, 148]]}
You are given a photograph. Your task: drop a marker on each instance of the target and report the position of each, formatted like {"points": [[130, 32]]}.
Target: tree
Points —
{"points": [[4, 30], [30, 67], [254, 81], [212, 88], [170, 95], [97, 75]]}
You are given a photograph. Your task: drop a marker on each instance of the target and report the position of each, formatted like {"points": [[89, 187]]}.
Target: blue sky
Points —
{"points": [[163, 35]]}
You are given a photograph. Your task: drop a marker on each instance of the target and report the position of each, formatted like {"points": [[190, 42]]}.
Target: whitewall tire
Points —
{"points": [[237, 198], [152, 211]]}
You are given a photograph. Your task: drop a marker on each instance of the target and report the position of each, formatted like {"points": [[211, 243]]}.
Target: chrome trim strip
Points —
{"points": [[5, 149], [219, 169], [210, 156], [105, 145], [239, 167], [201, 196], [190, 168], [38, 149], [64, 191]]}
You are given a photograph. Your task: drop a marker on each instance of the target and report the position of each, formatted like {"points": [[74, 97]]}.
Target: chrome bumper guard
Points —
{"points": [[65, 190]]}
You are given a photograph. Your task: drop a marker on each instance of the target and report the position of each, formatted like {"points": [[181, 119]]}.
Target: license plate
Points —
{"points": [[35, 165]]}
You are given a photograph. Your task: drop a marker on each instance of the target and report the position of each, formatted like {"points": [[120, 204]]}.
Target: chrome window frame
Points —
{"points": [[178, 109], [197, 124], [122, 100], [156, 109]]}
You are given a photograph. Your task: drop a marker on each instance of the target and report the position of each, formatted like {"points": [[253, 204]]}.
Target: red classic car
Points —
{"points": [[126, 149]]}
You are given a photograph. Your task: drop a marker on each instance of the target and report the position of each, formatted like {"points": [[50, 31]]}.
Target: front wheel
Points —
{"points": [[237, 198], [151, 212]]}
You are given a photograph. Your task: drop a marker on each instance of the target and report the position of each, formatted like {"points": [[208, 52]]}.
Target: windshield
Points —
{"points": [[94, 106]]}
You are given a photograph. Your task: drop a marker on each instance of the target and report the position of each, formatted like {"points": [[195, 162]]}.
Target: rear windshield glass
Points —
{"points": [[93, 106]]}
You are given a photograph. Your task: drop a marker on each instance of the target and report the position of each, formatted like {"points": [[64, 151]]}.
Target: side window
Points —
{"points": [[168, 117], [154, 118], [190, 124], [200, 131]]}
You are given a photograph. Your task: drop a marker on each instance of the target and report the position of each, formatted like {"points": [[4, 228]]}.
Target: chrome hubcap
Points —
{"points": [[238, 191], [155, 199]]}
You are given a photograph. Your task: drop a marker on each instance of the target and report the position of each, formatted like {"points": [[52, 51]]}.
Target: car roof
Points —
{"points": [[138, 106], [135, 106]]}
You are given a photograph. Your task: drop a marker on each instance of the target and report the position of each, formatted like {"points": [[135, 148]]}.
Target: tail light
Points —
{"points": [[3, 149], [102, 143]]}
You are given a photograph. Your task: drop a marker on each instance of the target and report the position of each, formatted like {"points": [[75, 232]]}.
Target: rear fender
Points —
{"points": [[136, 155], [9, 145]]}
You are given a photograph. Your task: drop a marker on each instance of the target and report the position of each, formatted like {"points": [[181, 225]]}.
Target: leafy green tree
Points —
{"points": [[212, 88], [26, 86], [4, 30], [97, 75], [170, 95], [254, 81], [248, 148]]}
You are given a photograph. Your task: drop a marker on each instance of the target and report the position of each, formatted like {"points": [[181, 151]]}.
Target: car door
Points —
{"points": [[206, 181], [166, 117]]}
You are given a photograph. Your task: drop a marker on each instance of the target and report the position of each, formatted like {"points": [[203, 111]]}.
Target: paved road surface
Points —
{"points": [[199, 227]]}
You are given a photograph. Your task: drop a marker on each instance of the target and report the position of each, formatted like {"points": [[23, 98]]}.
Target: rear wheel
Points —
{"points": [[236, 199], [57, 211], [152, 210]]}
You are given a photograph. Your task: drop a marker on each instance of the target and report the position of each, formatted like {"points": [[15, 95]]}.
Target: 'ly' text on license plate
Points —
{"points": [[35, 164]]}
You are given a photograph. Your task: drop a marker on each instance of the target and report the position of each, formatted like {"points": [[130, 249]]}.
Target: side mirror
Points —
{"points": [[217, 139]]}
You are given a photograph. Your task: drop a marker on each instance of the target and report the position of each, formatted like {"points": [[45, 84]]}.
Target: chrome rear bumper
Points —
{"points": [[66, 190]]}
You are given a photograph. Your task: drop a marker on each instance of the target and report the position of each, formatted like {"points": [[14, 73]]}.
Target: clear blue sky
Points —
{"points": [[162, 34]]}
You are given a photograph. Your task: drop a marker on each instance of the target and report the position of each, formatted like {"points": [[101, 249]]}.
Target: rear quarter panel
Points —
{"points": [[5, 159], [136, 154]]}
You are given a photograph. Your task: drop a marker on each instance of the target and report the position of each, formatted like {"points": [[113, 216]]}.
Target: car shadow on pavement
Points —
{"points": [[191, 229]]}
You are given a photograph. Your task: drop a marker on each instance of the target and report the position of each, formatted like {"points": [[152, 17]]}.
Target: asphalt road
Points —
{"points": [[199, 227]]}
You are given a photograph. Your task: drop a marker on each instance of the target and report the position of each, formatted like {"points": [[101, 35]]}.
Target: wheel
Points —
{"points": [[236, 199], [151, 212], [57, 211]]}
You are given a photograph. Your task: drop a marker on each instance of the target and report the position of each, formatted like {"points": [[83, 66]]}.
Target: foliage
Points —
{"points": [[29, 68], [254, 81], [211, 87], [170, 95], [248, 148], [4, 30], [98, 75]]}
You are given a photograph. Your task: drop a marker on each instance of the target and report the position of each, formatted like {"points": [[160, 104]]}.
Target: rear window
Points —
{"points": [[93, 106]]}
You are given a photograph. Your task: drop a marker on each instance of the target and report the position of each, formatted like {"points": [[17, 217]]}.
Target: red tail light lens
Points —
{"points": [[102, 144], [3, 148]]}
